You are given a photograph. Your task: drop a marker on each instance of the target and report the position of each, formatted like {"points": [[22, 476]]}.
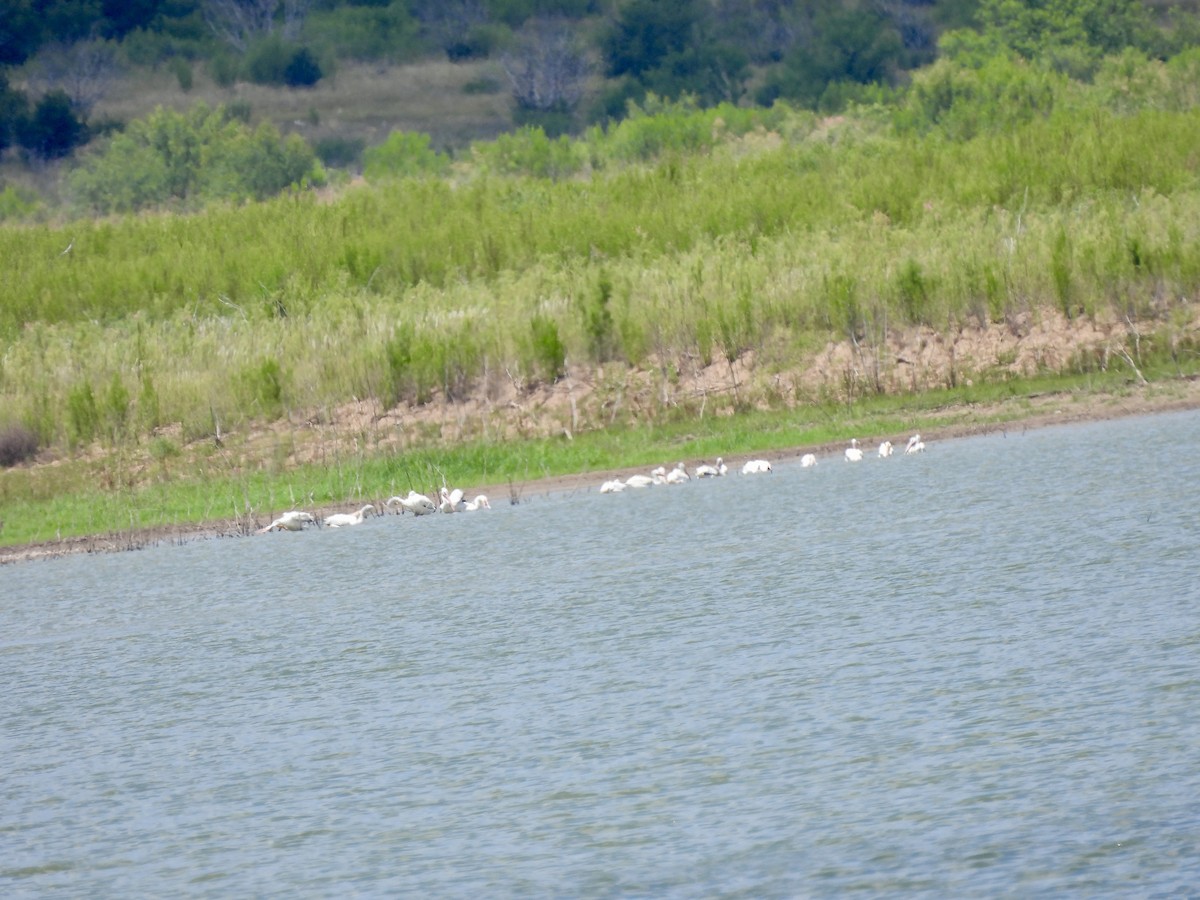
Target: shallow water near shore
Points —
{"points": [[967, 672]]}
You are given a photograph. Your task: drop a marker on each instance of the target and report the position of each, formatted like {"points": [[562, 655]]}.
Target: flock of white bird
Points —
{"points": [[450, 501], [679, 474]]}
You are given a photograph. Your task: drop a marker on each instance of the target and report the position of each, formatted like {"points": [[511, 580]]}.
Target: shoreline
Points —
{"points": [[1044, 411]]}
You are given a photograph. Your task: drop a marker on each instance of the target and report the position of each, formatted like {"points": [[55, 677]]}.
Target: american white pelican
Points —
{"points": [[417, 504], [337, 520], [290, 521], [915, 444], [480, 502], [451, 500], [660, 472], [756, 467], [612, 486], [704, 470], [808, 460], [640, 481], [885, 449], [854, 452], [678, 475]]}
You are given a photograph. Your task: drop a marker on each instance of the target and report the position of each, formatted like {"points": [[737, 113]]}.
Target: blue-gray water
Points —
{"points": [[967, 673]]}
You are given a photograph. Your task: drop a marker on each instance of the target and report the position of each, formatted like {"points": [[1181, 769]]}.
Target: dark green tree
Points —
{"points": [[855, 46], [14, 110], [302, 70], [53, 130], [647, 32]]}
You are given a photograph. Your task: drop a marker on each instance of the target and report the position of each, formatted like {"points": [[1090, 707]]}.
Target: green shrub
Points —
{"points": [[16, 203], [182, 70], [549, 352], [260, 387], [83, 417], [403, 154], [528, 151], [339, 152], [267, 60], [114, 412]]}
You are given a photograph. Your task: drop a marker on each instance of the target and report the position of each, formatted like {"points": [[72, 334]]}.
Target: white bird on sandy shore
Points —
{"points": [[480, 502], [854, 452], [612, 486], [417, 504], [808, 460], [678, 475], [295, 520], [338, 520], [915, 444], [756, 467], [451, 500], [704, 470], [885, 449]]}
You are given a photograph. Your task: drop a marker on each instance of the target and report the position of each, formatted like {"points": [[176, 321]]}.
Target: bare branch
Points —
{"points": [[547, 69]]}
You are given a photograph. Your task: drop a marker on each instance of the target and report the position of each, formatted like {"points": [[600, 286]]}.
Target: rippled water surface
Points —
{"points": [[966, 673]]}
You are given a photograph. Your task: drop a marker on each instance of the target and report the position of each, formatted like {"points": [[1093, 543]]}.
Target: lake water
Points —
{"points": [[967, 673]]}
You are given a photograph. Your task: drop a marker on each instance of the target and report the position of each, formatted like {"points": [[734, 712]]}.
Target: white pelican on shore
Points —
{"points": [[338, 520], [915, 444], [678, 475], [480, 502], [451, 500], [417, 504], [808, 460], [756, 467], [612, 486], [704, 470], [885, 449], [289, 521], [854, 452]]}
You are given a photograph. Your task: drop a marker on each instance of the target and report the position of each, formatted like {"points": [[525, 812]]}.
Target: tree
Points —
{"points": [[547, 69], [53, 131], [672, 49], [14, 109], [646, 32], [21, 30], [84, 71], [241, 22], [854, 46]]}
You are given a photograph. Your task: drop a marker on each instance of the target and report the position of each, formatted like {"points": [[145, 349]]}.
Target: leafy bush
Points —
{"points": [[403, 154], [266, 61], [171, 156], [83, 417], [549, 352], [16, 203], [386, 32], [528, 151], [339, 152], [260, 388], [17, 444]]}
